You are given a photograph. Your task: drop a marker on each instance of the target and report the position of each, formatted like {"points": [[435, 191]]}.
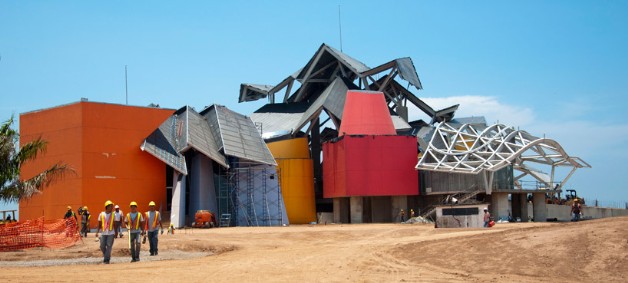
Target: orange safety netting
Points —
{"points": [[58, 233]]}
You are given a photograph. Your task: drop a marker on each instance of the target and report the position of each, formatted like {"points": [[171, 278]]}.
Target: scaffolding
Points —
{"points": [[251, 194]]}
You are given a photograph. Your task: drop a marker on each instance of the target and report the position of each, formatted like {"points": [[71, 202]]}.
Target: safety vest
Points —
{"points": [[155, 220], [103, 220], [137, 220]]}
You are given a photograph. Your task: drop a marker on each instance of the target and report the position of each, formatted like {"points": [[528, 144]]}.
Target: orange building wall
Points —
{"points": [[101, 142]]}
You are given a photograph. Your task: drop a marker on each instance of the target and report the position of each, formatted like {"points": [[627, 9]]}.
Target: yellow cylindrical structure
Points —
{"points": [[296, 174], [293, 148], [297, 189]]}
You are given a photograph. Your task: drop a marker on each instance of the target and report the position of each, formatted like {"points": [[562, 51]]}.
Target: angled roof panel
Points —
{"points": [[400, 123], [279, 117], [202, 138], [332, 99], [161, 144], [252, 92], [241, 138], [407, 72]]}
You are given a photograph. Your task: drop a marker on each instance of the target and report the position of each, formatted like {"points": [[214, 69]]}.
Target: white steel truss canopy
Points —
{"points": [[472, 149]]}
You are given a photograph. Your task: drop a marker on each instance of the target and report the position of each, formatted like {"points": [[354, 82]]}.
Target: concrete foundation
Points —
{"points": [[500, 207], [539, 207], [341, 210], [397, 204], [379, 207], [356, 210]]}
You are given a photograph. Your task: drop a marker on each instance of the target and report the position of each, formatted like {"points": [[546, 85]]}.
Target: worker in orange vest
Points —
{"points": [[105, 223], [153, 218], [134, 222]]}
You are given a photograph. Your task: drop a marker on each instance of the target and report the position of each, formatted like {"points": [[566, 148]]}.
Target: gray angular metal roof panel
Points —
{"points": [[400, 123], [479, 120], [161, 144], [252, 92], [240, 137], [276, 122], [407, 72], [201, 137], [332, 99], [352, 63]]}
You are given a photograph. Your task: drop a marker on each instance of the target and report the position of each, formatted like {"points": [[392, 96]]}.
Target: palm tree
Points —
{"points": [[11, 160]]}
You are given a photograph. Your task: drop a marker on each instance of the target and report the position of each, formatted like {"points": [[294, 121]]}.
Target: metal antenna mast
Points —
{"points": [[340, 27], [126, 86]]}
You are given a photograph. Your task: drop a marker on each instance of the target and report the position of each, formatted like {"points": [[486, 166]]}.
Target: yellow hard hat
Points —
{"points": [[152, 203], [133, 203], [85, 208], [108, 203]]}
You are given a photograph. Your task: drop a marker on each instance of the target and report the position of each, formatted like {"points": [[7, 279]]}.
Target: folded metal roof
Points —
{"points": [[240, 137], [216, 132], [162, 144], [331, 99], [279, 117]]}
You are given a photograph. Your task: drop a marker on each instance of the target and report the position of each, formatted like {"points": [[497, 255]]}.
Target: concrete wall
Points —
{"points": [[563, 212], [460, 221]]}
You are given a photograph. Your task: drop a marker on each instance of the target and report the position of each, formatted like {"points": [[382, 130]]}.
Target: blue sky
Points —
{"points": [[553, 68]]}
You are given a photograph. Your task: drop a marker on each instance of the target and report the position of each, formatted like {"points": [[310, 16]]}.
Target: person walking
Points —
{"points": [[117, 221], [152, 220], [403, 215], [134, 222], [70, 226], [576, 209], [85, 216], [487, 217], [105, 223]]}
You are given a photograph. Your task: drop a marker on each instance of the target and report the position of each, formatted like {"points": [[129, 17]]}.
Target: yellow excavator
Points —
{"points": [[571, 196]]}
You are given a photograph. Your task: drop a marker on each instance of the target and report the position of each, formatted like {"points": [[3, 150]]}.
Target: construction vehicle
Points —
{"points": [[204, 219], [571, 196]]}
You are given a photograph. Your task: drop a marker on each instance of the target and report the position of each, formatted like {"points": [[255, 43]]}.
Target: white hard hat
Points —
{"points": [[486, 208], [117, 206]]}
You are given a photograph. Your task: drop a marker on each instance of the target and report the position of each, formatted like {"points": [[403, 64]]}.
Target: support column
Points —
{"points": [[539, 207], [356, 210], [341, 210], [202, 191], [524, 207], [177, 210], [398, 203], [500, 207], [516, 206]]}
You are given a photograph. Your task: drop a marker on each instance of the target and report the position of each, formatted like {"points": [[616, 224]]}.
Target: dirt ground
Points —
{"points": [[588, 251]]}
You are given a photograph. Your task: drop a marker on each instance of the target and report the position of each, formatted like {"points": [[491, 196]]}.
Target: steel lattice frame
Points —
{"points": [[473, 149]]}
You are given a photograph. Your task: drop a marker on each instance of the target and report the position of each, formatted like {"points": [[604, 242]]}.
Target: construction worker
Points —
{"points": [[70, 226], [134, 222], [117, 221], [402, 213], [487, 217], [576, 209], [411, 213], [85, 216], [152, 220], [105, 223]]}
